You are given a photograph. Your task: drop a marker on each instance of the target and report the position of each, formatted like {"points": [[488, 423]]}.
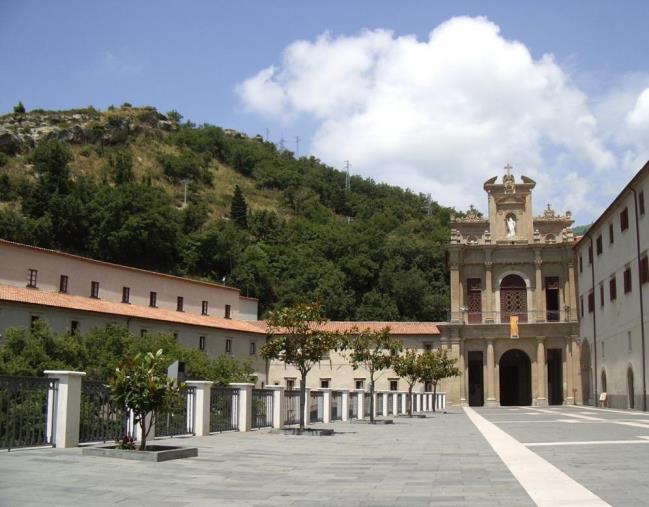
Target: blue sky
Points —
{"points": [[205, 58]]}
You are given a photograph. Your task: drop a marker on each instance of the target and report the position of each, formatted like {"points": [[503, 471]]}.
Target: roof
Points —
{"points": [[644, 171], [85, 304], [119, 266], [396, 328]]}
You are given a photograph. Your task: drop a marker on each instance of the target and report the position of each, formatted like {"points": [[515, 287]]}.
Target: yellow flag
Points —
{"points": [[513, 326]]}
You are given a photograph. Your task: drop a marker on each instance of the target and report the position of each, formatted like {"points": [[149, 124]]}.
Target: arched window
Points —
{"points": [[604, 381], [513, 298]]}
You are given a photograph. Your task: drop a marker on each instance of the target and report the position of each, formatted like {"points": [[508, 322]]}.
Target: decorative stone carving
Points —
{"points": [[511, 225]]}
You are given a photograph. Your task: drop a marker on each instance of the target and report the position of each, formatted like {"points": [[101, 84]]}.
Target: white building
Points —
{"points": [[613, 288]]}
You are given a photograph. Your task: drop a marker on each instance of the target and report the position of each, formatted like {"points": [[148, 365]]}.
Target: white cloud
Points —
{"points": [[440, 115]]}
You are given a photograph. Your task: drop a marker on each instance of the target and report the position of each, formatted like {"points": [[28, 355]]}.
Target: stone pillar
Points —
{"points": [[345, 405], [488, 296], [385, 403], [491, 374], [279, 402], [202, 398], [456, 288], [539, 298], [573, 296], [326, 403], [374, 399], [395, 403], [541, 369], [307, 402], [457, 350], [404, 403], [417, 407], [569, 398], [136, 432], [245, 404], [67, 406]]}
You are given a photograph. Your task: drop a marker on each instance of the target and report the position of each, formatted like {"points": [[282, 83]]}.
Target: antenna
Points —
{"points": [[281, 143], [297, 146], [348, 182]]}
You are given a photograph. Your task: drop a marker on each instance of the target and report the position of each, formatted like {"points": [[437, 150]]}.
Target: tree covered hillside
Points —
{"points": [[111, 185]]}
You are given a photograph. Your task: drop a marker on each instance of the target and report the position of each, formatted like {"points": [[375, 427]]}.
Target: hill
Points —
{"points": [[111, 185]]}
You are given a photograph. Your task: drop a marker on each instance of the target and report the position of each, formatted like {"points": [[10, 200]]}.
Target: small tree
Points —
{"points": [[295, 336], [435, 366], [373, 350], [19, 108], [239, 208], [174, 116], [407, 366], [142, 386]]}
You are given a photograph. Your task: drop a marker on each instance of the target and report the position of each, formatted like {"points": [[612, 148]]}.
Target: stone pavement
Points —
{"points": [[441, 460]]}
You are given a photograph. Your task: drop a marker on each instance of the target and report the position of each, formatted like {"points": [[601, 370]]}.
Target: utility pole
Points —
{"points": [[297, 146], [348, 183]]}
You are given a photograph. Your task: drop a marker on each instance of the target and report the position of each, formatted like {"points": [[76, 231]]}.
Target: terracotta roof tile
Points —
{"points": [[396, 328], [84, 304]]}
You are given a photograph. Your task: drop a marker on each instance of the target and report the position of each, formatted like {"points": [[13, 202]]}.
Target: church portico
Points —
{"points": [[513, 314]]}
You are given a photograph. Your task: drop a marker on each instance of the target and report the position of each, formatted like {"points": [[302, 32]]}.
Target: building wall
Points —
{"points": [[14, 315], [612, 332], [16, 260]]}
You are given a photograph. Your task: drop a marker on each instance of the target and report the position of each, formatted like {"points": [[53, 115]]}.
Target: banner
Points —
{"points": [[513, 326]]}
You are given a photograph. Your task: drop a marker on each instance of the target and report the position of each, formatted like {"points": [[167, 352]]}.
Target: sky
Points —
{"points": [[436, 96]]}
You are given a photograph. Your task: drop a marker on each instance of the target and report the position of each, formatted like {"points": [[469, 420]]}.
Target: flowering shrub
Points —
{"points": [[125, 442]]}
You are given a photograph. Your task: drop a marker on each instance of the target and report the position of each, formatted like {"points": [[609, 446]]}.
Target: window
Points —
{"points": [[428, 386], [624, 219], [94, 290], [204, 308], [581, 264], [201, 342], [590, 254], [428, 346], [601, 294], [228, 345], [394, 385], [598, 245], [629, 340], [641, 202], [581, 305], [153, 299], [324, 383], [644, 269], [143, 333], [180, 302], [32, 275], [611, 236], [253, 348], [126, 295], [627, 280], [63, 284], [227, 311], [33, 321], [360, 383], [175, 336], [612, 288], [74, 327], [603, 350], [290, 384], [591, 302]]}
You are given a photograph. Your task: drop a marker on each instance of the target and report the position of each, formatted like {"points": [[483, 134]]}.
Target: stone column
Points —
{"points": [[202, 398], [374, 399], [326, 403], [491, 373], [569, 398], [538, 291], [457, 349], [573, 296], [345, 405], [456, 287], [385, 403], [488, 296], [395, 403], [67, 406], [404, 408], [245, 404], [417, 407], [279, 403], [541, 369]]}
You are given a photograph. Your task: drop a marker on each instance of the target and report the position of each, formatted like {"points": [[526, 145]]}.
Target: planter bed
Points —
{"points": [[376, 421], [153, 453], [307, 432]]}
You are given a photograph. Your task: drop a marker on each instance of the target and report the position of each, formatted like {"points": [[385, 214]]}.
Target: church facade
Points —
{"points": [[513, 318]]}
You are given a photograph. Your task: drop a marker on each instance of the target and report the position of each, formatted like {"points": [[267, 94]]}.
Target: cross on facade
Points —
{"points": [[508, 168]]}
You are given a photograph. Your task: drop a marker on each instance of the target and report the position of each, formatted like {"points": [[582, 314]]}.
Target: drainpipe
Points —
{"points": [[592, 272], [642, 336]]}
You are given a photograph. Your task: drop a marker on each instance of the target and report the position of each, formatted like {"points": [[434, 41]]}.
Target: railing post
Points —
{"points": [[345, 405], [385, 403], [404, 403], [326, 406], [136, 432], [245, 404], [202, 399], [307, 406], [361, 403], [395, 403], [417, 402], [375, 398], [279, 403], [67, 407]]}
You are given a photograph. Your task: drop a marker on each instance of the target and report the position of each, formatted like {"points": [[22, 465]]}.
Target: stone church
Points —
{"points": [[513, 320]]}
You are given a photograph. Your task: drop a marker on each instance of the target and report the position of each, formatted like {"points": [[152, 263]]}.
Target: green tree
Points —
{"points": [[142, 386], [435, 366], [174, 116], [296, 337], [19, 108], [407, 367], [373, 350], [121, 163], [239, 208]]}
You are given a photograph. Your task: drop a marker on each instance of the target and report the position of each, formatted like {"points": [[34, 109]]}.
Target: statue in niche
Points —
{"points": [[511, 226]]}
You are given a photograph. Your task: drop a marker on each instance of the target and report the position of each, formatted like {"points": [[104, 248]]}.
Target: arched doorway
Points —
{"points": [[515, 378], [586, 372], [513, 298], [604, 381], [630, 389]]}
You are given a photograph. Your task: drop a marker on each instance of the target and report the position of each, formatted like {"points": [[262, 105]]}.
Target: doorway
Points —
{"points": [[515, 374], [476, 379], [552, 298], [555, 377], [630, 388]]}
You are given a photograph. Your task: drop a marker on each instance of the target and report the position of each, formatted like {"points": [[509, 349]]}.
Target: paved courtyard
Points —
{"points": [[441, 460]]}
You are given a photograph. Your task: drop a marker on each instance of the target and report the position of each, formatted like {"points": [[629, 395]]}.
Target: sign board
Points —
{"points": [[602, 397], [513, 326]]}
